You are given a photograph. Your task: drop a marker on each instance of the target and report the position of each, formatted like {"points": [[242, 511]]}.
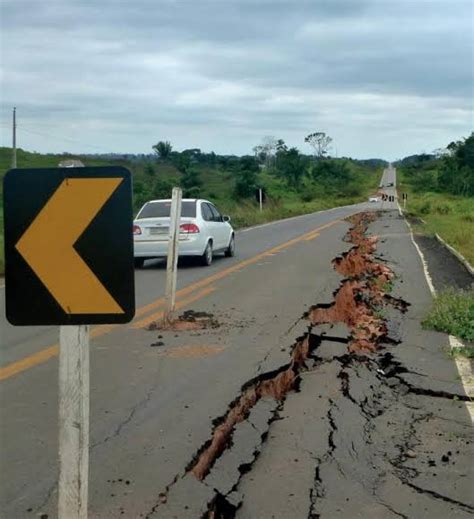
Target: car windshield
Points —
{"points": [[162, 210]]}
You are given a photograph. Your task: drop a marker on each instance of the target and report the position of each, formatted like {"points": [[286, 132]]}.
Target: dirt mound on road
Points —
{"points": [[188, 321]]}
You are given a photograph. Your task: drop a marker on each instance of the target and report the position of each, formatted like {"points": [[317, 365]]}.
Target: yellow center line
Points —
{"points": [[52, 351], [42, 356], [312, 236]]}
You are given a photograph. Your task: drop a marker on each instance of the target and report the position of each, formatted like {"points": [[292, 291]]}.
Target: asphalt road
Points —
{"points": [[153, 407]]}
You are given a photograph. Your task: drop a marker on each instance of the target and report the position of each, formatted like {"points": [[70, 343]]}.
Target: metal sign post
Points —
{"points": [[172, 260], [73, 421], [260, 199], [405, 196]]}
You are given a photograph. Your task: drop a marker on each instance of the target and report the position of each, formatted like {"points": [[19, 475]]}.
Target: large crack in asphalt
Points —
{"points": [[358, 303]]}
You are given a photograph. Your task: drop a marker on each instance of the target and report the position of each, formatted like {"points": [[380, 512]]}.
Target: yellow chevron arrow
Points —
{"points": [[48, 246]]}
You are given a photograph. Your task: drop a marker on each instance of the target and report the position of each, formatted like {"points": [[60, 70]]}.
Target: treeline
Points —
{"points": [[286, 175], [450, 170], [280, 170]]}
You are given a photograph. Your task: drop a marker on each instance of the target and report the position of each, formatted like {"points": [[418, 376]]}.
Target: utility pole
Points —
{"points": [[14, 139]]}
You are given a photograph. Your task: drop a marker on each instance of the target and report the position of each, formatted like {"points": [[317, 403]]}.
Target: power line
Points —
{"points": [[55, 137]]}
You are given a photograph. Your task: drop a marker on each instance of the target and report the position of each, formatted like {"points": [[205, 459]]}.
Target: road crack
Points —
{"points": [[360, 456]]}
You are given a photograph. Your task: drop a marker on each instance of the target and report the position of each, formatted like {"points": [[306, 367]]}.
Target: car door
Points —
{"points": [[208, 217], [222, 231]]}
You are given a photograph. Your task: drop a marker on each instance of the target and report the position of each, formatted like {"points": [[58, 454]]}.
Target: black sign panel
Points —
{"points": [[69, 246]]}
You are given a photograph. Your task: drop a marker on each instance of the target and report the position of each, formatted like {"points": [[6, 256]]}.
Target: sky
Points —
{"points": [[383, 78]]}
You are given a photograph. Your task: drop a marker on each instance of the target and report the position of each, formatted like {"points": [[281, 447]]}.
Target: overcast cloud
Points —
{"points": [[384, 78]]}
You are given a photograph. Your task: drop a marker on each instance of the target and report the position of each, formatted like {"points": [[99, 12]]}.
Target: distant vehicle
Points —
{"points": [[373, 199], [203, 231], [71, 163], [390, 184]]}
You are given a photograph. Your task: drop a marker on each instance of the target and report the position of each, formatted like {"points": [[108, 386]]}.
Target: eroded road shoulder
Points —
{"points": [[366, 419]]}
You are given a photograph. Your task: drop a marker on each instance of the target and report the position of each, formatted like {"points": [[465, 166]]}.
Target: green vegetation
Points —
{"points": [[462, 351], [441, 192], [453, 313], [293, 183]]}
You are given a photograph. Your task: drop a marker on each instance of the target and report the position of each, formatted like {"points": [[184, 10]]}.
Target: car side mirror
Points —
{"points": [[226, 218]]}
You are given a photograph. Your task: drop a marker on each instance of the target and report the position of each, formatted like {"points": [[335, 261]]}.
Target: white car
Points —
{"points": [[373, 199], [203, 231]]}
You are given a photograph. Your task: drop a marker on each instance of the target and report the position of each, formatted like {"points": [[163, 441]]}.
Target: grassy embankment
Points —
{"points": [[218, 186], [453, 312], [450, 216]]}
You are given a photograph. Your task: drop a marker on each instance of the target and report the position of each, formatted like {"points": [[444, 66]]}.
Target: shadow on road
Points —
{"points": [[183, 263]]}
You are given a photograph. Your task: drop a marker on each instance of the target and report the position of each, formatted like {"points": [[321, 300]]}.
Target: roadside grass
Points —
{"points": [[450, 216], [286, 203], [462, 351], [247, 214], [453, 312]]}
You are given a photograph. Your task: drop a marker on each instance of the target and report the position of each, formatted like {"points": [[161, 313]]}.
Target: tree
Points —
{"points": [[320, 142], [281, 146], [191, 183], [180, 161], [149, 169], [194, 154], [163, 187], [190, 179], [246, 182], [163, 149], [456, 174], [259, 154], [265, 152], [334, 174], [290, 165]]}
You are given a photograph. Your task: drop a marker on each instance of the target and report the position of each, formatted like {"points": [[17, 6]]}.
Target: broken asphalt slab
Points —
{"points": [[354, 438], [400, 437]]}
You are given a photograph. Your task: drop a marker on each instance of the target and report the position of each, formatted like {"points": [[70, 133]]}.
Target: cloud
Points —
{"points": [[383, 78]]}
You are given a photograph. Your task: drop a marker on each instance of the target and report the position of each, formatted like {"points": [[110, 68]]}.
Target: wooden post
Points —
{"points": [[172, 260], [260, 197], [73, 421]]}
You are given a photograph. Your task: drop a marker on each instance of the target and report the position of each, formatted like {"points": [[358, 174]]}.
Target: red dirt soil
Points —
{"points": [[364, 288]]}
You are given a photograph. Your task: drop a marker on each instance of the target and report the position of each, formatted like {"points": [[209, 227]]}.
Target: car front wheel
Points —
{"points": [[206, 258]]}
